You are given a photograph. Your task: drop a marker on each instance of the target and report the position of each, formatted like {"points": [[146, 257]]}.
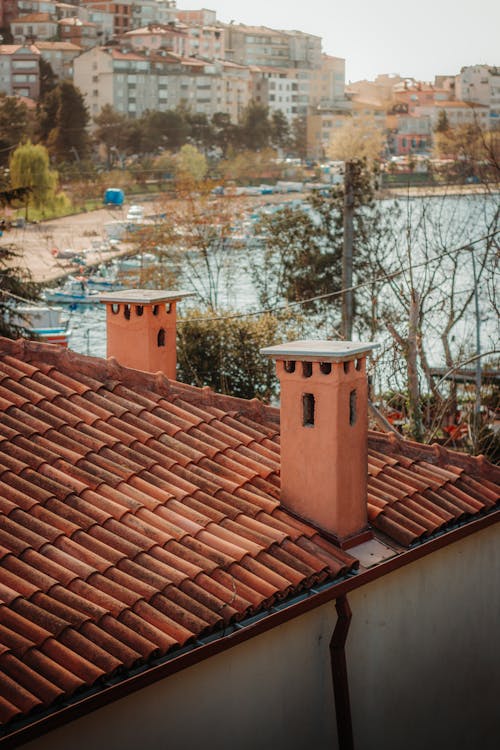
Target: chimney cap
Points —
{"points": [[319, 350], [144, 296]]}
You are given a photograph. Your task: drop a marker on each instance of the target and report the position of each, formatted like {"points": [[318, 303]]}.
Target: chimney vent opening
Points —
{"points": [[359, 364], [289, 366], [168, 308], [126, 312], [161, 338], [115, 309], [347, 366], [139, 310], [156, 309], [308, 407], [307, 369], [352, 407], [325, 367]]}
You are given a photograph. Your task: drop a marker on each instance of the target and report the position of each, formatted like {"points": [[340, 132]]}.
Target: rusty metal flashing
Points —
{"points": [[97, 697]]}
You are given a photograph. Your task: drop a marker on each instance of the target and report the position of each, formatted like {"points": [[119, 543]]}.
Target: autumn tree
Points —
{"points": [[357, 139]]}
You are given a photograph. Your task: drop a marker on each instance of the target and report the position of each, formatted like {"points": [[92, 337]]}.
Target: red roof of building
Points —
{"points": [[138, 515]]}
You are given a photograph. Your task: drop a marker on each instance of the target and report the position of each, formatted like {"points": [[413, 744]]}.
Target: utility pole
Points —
{"points": [[477, 405], [347, 252]]}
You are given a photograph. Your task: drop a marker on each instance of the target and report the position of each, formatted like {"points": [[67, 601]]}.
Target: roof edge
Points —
{"points": [[279, 614]]}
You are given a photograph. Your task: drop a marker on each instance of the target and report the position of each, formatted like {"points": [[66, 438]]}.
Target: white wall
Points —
{"points": [[423, 663], [424, 652]]}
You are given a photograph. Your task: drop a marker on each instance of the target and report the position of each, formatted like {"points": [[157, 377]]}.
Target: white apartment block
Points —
{"points": [[276, 88], [481, 84], [457, 113], [132, 82]]}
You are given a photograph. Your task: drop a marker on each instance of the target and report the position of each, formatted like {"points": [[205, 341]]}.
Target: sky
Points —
{"points": [[419, 40]]}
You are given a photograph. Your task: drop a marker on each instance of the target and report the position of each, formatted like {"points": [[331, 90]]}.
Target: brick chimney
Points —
{"points": [[141, 328], [324, 433]]}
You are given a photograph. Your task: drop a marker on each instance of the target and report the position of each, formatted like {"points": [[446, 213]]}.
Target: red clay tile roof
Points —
{"points": [[138, 515]]}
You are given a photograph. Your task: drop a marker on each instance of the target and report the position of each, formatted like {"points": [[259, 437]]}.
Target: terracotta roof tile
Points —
{"points": [[137, 515]]}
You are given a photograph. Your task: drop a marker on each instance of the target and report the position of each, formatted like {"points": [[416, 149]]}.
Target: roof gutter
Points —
{"points": [[241, 632], [339, 674]]}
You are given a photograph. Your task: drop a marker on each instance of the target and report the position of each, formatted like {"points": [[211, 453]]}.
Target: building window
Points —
{"points": [[308, 410]]}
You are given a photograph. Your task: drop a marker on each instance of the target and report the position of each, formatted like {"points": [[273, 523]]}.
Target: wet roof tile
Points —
{"points": [[136, 517]]}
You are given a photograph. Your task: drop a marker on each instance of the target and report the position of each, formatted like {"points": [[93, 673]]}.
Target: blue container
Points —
{"points": [[114, 197]]}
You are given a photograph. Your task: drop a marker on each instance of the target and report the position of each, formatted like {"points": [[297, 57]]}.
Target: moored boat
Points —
{"points": [[44, 322]]}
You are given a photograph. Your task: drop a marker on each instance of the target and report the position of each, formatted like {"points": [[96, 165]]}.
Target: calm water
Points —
{"points": [[438, 225]]}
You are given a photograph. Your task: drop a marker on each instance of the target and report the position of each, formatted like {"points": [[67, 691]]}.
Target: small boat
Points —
{"points": [[134, 262], [74, 291], [44, 322], [104, 279]]}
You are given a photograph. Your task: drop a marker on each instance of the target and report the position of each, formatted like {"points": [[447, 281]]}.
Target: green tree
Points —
{"points": [[225, 133], [112, 131], [299, 137], [201, 130], [30, 168], [280, 130], [48, 79], [163, 130], [15, 284], [14, 125], [224, 353], [255, 128], [304, 246], [63, 123], [443, 123]]}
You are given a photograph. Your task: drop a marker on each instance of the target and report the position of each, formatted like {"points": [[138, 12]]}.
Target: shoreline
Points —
{"points": [[37, 242]]}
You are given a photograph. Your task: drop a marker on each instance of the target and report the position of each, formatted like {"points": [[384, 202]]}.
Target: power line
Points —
{"points": [[339, 292]]}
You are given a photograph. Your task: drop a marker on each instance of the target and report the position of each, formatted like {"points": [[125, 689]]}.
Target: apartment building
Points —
{"points": [[60, 56], [19, 70], [480, 84], [121, 12], [33, 27], [408, 134], [132, 82], [277, 89], [457, 113], [235, 89], [158, 37], [327, 82], [152, 11], [84, 34], [256, 45]]}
